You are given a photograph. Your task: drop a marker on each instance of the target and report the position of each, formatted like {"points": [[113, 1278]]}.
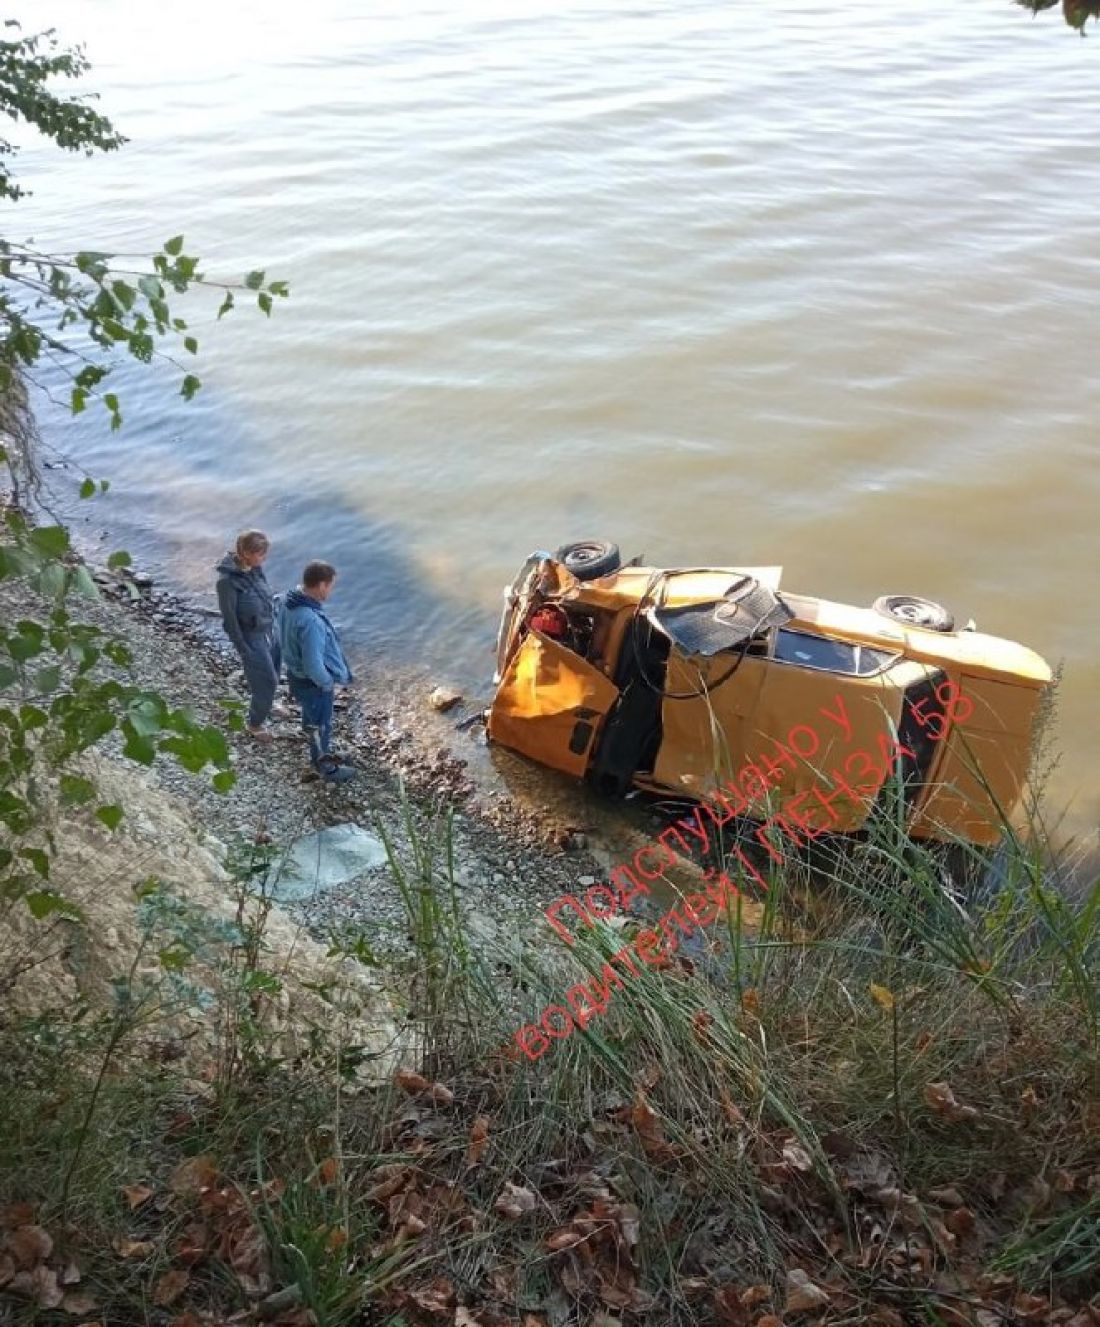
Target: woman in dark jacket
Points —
{"points": [[248, 615]]}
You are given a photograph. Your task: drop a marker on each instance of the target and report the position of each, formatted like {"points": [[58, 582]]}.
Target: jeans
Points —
{"points": [[316, 715], [261, 659]]}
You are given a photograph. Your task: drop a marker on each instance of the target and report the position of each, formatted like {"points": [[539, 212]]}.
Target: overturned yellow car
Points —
{"points": [[708, 683]]}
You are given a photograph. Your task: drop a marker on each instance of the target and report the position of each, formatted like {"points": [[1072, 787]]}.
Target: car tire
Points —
{"points": [[590, 558], [914, 611]]}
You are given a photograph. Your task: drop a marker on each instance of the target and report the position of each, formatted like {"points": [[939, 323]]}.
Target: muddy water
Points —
{"points": [[727, 282]]}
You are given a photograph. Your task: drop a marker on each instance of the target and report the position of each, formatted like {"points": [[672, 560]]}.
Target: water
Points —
{"points": [[726, 282]]}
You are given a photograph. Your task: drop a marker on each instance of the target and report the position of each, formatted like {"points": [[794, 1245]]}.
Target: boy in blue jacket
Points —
{"points": [[315, 664]]}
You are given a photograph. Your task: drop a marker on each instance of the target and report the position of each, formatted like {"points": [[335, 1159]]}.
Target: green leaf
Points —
{"points": [[174, 246], [43, 902], [52, 580], [104, 485], [110, 815], [78, 399], [175, 958], [119, 558], [150, 287], [226, 304], [83, 583], [224, 781], [118, 653], [191, 385], [31, 717], [48, 679], [88, 489], [279, 288], [75, 791], [51, 540], [38, 859], [189, 343], [254, 280], [263, 299], [8, 675], [138, 747]]}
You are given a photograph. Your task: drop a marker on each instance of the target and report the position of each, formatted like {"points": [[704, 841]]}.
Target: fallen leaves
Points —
{"points": [[137, 1195], [194, 1175], [26, 1269], [803, 1295], [940, 1099], [479, 1140], [515, 1202], [415, 1084], [169, 1287]]}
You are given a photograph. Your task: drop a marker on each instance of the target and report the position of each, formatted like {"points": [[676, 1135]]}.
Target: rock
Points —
{"points": [[586, 881], [444, 698]]}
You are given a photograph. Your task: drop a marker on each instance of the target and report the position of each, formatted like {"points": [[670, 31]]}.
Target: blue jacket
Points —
{"points": [[311, 647]]}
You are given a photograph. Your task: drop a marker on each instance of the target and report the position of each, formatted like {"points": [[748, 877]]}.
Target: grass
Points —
{"points": [[876, 1085]]}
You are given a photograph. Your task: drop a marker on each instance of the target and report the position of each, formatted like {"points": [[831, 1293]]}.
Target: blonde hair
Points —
{"points": [[252, 541]]}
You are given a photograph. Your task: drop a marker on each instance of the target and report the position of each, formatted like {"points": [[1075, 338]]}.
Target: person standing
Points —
{"points": [[248, 615], [315, 664]]}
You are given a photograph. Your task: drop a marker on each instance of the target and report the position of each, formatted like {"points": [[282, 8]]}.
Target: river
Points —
{"points": [[725, 282]]}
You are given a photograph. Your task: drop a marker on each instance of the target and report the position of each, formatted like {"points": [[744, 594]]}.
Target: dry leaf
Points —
{"points": [[479, 1140], [78, 1302], [885, 1316], [169, 1287], [136, 1194], [410, 1082], [802, 1295], [132, 1248], [192, 1176], [442, 1096], [7, 1268], [750, 1000], [960, 1222], [328, 1170], [769, 1320], [940, 1098], [29, 1245], [797, 1157], [567, 1238], [755, 1295], [13, 1215], [948, 1196], [882, 996], [514, 1202], [731, 1110], [46, 1292], [190, 1247], [1064, 1182]]}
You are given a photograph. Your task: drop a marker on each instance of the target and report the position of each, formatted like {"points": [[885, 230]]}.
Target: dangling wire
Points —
{"points": [[662, 578]]}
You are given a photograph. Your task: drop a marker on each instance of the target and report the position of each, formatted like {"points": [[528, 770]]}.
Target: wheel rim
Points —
{"points": [[917, 614], [585, 553]]}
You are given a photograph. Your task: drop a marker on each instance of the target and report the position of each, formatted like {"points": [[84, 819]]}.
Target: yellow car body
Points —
{"points": [[820, 712]]}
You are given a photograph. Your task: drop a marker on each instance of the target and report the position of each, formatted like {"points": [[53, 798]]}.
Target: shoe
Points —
{"points": [[280, 712], [332, 771], [260, 735]]}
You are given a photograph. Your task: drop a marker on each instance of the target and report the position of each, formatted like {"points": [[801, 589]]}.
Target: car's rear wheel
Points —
{"points": [[590, 558], [915, 611]]}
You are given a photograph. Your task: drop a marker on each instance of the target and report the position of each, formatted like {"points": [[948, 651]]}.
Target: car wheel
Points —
{"points": [[590, 558], [915, 611]]}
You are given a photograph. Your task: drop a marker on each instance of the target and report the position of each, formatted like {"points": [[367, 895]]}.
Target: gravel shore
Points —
{"points": [[509, 860]]}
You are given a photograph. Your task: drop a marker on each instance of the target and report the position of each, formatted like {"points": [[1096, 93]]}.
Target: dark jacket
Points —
{"points": [[310, 645], [246, 602]]}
